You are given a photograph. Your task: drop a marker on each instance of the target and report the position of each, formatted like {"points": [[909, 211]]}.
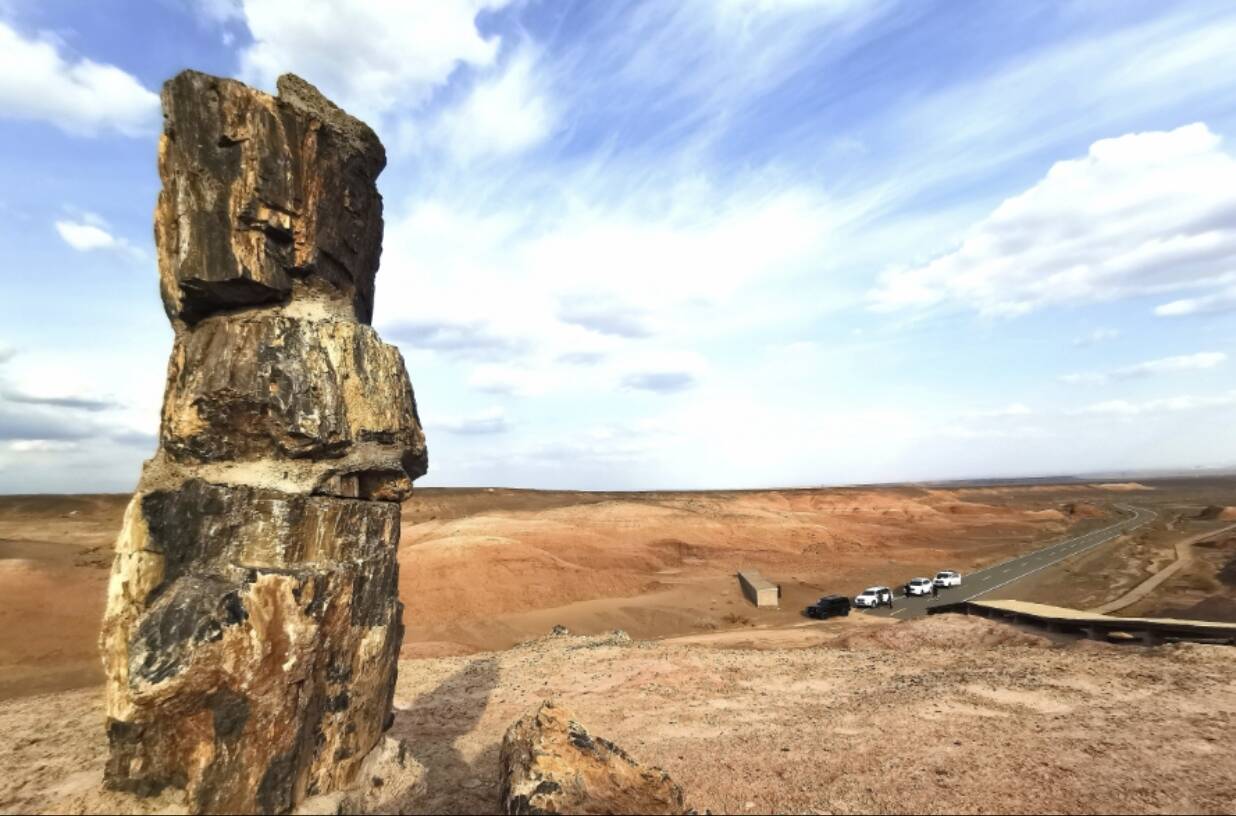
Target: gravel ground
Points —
{"points": [[946, 714]]}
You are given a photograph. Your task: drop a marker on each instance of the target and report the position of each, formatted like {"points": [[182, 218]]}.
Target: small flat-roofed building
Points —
{"points": [[758, 589]]}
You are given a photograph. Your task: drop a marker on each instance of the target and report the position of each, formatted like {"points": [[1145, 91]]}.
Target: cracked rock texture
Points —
{"points": [[261, 191], [551, 764], [253, 625]]}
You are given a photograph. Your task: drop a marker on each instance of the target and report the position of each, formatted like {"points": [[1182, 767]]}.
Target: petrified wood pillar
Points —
{"points": [[253, 624]]}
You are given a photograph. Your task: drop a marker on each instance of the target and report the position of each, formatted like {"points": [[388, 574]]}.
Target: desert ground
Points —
{"points": [[751, 710], [485, 569], [940, 715]]}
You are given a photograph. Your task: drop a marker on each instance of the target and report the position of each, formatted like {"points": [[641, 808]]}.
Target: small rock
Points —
{"points": [[560, 631], [551, 764]]}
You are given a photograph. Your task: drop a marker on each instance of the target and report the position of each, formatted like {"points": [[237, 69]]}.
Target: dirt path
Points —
{"points": [[1184, 555]]}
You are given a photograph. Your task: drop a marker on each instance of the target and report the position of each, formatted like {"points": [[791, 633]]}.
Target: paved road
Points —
{"points": [[984, 581]]}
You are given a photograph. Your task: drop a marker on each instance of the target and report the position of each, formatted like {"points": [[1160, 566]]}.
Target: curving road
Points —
{"points": [[998, 575]]}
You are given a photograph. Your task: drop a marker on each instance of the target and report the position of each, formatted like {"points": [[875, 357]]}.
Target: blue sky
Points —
{"points": [[707, 243]]}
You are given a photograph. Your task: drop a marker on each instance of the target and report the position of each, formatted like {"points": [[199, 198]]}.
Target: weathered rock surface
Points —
{"points": [[551, 764], [259, 191], [259, 387], [253, 626]]}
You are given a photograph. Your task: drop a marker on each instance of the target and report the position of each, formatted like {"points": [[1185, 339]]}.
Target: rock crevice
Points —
{"points": [[253, 626]]}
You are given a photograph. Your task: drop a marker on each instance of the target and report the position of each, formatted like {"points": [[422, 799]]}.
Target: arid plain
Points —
{"points": [[749, 709], [484, 569]]}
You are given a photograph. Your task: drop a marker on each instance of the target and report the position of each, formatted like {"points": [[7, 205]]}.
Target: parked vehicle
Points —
{"points": [[947, 578], [830, 606], [919, 586], [874, 596]]}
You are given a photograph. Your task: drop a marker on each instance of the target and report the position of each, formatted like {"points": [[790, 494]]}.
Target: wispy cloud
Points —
{"points": [[405, 56], [1164, 365], [504, 113], [1188, 402], [1221, 302], [65, 401]]}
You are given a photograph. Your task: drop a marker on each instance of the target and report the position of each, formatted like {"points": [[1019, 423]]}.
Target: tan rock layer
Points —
{"points": [[255, 637], [256, 386]]}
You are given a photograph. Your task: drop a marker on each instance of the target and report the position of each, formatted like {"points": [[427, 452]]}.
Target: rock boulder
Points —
{"points": [[551, 764]]}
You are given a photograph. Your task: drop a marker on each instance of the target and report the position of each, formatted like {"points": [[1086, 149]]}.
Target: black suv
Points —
{"points": [[830, 606]]}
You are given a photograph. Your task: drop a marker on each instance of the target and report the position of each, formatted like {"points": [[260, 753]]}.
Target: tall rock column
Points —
{"points": [[253, 624]]}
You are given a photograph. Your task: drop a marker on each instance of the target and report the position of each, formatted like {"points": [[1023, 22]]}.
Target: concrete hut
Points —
{"points": [[758, 589]]}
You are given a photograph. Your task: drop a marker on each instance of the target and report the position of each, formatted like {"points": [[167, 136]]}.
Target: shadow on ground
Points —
{"points": [[432, 726]]}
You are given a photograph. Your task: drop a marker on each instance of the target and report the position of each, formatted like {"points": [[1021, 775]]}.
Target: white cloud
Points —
{"points": [[370, 56], [1220, 302], [85, 237], [1140, 214], [41, 445], [91, 233], [1164, 365], [502, 114], [1183, 362], [999, 117], [627, 282], [79, 96]]}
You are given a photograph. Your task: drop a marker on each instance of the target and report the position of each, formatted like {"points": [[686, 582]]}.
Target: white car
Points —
{"points": [[948, 578], [919, 586], [874, 596]]}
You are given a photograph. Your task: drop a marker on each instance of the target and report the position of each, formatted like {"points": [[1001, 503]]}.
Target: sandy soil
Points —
{"points": [[947, 714], [55, 552]]}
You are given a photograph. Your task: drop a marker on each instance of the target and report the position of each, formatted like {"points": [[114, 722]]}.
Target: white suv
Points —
{"points": [[948, 578], [874, 596], [919, 586]]}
